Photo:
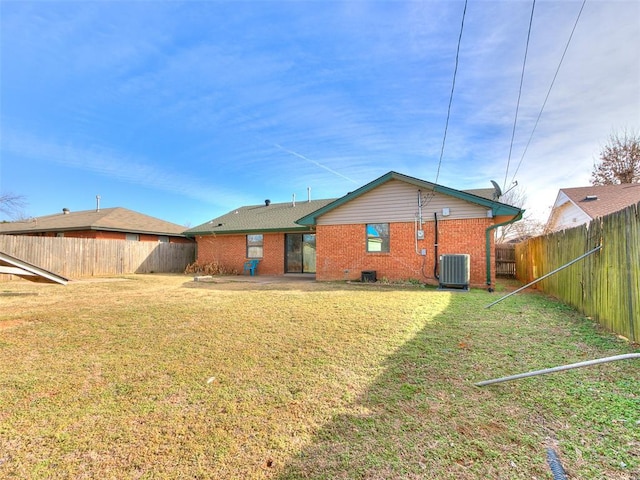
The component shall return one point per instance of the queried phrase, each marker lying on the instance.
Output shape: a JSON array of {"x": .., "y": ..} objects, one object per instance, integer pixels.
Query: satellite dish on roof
[{"x": 497, "y": 191}]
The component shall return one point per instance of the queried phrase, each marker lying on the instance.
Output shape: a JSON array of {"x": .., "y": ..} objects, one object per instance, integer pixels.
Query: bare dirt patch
[{"x": 4, "y": 324}]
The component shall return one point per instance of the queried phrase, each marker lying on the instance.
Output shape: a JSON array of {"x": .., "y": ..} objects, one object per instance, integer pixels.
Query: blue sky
[{"x": 186, "y": 110}]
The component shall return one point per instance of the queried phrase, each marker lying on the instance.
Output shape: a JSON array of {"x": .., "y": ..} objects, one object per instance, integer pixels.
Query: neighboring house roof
[
  {"x": 260, "y": 218},
  {"x": 115, "y": 219},
  {"x": 499, "y": 209},
  {"x": 14, "y": 266},
  {"x": 487, "y": 193},
  {"x": 575, "y": 206},
  {"x": 608, "y": 198}
]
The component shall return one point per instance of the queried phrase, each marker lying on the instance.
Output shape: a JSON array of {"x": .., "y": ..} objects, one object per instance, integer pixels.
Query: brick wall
[
  {"x": 180, "y": 240},
  {"x": 230, "y": 252},
  {"x": 341, "y": 251},
  {"x": 342, "y": 255},
  {"x": 143, "y": 237},
  {"x": 98, "y": 234},
  {"x": 81, "y": 234}
]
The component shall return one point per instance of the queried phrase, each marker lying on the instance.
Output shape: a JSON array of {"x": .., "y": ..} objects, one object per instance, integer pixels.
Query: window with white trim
[{"x": 255, "y": 246}]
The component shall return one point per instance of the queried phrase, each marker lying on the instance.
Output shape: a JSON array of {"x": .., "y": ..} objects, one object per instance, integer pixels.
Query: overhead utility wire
[
  {"x": 453, "y": 86},
  {"x": 515, "y": 120},
  {"x": 549, "y": 92}
]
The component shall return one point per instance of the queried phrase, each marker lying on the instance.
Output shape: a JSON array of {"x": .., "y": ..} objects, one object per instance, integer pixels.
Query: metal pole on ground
[
  {"x": 546, "y": 275},
  {"x": 558, "y": 369}
]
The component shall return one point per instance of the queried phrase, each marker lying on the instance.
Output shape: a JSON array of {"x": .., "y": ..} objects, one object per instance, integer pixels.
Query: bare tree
[
  {"x": 619, "y": 160},
  {"x": 522, "y": 229},
  {"x": 12, "y": 205}
]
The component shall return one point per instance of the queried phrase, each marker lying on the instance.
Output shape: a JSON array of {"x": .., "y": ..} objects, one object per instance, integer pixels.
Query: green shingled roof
[{"x": 276, "y": 217}]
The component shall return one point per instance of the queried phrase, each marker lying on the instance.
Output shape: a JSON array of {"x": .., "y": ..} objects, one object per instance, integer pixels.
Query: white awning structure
[{"x": 14, "y": 266}]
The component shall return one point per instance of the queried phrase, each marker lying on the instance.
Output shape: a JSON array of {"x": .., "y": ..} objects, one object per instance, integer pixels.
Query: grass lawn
[{"x": 160, "y": 377}]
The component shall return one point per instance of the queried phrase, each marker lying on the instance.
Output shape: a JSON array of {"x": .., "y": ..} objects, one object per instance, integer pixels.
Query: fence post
[{"x": 630, "y": 263}]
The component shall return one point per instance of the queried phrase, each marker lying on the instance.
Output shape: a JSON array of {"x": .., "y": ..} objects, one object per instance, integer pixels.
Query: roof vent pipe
[
  {"x": 309, "y": 194},
  {"x": 294, "y": 200},
  {"x": 267, "y": 202},
  {"x": 97, "y": 203}
]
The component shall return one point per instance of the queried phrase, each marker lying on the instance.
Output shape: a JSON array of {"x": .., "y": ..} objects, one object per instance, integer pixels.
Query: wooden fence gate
[{"x": 506, "y": 260}]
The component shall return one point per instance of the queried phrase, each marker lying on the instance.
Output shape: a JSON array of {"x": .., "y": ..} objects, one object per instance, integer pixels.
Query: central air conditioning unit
[{"x": 454, "y": 271}]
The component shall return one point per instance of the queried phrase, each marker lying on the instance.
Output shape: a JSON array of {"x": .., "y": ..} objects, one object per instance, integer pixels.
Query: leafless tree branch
[
  {"x": 12, "y": 205},
  {"x": 619, "y": 160}
]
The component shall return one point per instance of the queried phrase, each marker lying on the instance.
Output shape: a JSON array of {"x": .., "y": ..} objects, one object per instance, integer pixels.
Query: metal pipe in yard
[
  {"x": 558, "y": 369},
  {"x": 546, "y": 275}
]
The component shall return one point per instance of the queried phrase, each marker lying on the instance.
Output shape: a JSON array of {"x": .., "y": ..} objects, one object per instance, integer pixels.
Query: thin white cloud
[
  {"x": 115, "y": 165},
  {"x": 296, "y": 154},
  {"x": 363, "y": 86}
]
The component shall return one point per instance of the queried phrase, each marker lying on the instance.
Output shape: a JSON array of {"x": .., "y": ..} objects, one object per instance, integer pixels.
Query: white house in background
[{"x": 576, "y": 206}]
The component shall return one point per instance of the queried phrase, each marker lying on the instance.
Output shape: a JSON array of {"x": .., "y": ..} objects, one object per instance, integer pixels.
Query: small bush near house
[{"x": 212, "y": 268}]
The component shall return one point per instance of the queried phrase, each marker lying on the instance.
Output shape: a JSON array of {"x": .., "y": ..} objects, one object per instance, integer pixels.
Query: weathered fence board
[
  {"x": 506, "y": 260},
  {"x": 81, "y": 257},
  {"x": 605, "y": 285}
]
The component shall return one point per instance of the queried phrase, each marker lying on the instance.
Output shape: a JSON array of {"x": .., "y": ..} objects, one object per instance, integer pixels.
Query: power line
[
  {"x": 549, "y": 92},
  {"x": 453, "y": 86},
  {"x": 515, "y": 120}
]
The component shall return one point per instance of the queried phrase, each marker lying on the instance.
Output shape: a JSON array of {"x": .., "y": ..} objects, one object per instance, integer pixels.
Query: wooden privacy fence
[
  {"x": 605, "y": 285},
  {"x": 82, "y": 257},
  {"x": 506, "y": 260}
]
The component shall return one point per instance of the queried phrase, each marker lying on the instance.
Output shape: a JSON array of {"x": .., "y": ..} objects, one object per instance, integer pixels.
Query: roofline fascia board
[
  {"x": 502, "y": 208},
  {"x": 303, "y": 229},
  {"x": 100, "y": 229},
  {"x": 497, "y": 207},
  {"x": 54, "y": 229},
  {"x": 143, "y": 232}
]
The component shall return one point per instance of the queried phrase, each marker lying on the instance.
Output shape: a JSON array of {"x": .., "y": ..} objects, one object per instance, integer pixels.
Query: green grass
[{"x": 160, "y": 377}]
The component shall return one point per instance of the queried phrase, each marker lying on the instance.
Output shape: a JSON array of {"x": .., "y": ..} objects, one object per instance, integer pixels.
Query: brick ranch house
[
  {"x": 102, "y": 223},
  {"x": 396, "y": 225}
]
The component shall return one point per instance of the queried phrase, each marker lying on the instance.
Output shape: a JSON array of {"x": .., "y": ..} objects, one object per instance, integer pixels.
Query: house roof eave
[
  {"x": 92, "y": 228},
  {"x": 300, "y": 229},
  {"x": 115, "y": 219},
  {"x": 498, "y": 209}
]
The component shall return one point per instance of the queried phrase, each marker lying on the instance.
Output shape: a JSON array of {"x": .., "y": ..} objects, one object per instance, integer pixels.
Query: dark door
[{"x": 300, "y": 255}]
